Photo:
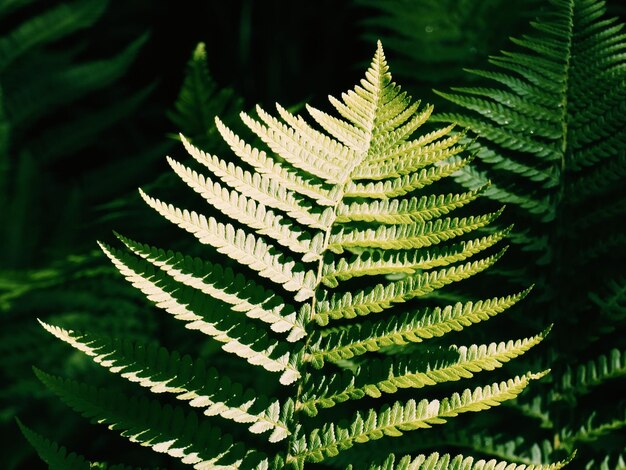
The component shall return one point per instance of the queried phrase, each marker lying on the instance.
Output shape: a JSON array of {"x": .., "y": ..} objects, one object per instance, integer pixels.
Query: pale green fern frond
[
  {"x": 346, "y": 342},
  {"x": 384, "y": 296},
  {"x": 322, "y": 225},
  {"x": 403, "y": 211},
  {"x": 262, "y": 188}
]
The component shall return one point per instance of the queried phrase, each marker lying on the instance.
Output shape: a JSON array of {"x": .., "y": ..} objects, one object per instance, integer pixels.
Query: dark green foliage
[
  {"x": 435, "y": 39},
  {"x": 200, "y": 100},
  {"x": 553, "y": 143},
  {"x": 52, "y": 109},
  {"x": 40, "y": 83}
]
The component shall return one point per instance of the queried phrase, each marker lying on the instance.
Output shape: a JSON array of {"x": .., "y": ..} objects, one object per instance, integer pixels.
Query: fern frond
[
  {"x": 327, "y": 148},
  {"x": 261, "y": 188},
  {"x": 406, "y": 262},
  {"x": 516, "y": 451},
  {"x": 407, "y": 162},
  {"x": 583, "y": 377},
  {"x": 199, "y": 100},
  {"x": 593, "y": 429},
  {"x": 240, "y": 208},
  {"x": 533, "y": 202},
  {"x": 264, "y": 164},
  {"x": 409, "y": 236},
  {"x": 551, "y": 127},
  {"x": 613, "y": 301},
  {"x": 314, "y": 195},
  {"x": 608, "y": 463},
  {"x": 164, "y": 428},
  {"x": 404, "y": 184},
  {"x": 295, "y": 150}
]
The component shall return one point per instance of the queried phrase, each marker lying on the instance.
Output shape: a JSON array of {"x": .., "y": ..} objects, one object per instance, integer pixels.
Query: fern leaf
[
  {"x": 595, "y": 372},
  {"x": 289, "y": 145},
  {"x": 240, "y": 208},
  {"x": 411, "y": 327},
  {"x": 614, "y": 299},
  {"x": 534, "y": 203},
  {"x": 404, "y": 184},
  {"x": 550, "y": 121},
  {"x": 408, "y": 236},
  {"x": 608, "y": 463},
  {"x": 593, "y": 429},
  {"x": 407, "y": 262},
  {"x": 318, "y": 146},
  {"x": 327, "y": 148},
  {"x": 200, "y": 100},
  {"x": 290, "y": 179},
  {"x": 514, "y": 451},
  {"x": 407, "y": 162},
  {"x": 315, "y": 194},
  {"x": 403, "y": 211}
]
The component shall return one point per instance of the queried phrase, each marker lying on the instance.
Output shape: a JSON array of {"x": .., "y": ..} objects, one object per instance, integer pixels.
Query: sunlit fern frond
[{"x": 331, "y": 223}]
